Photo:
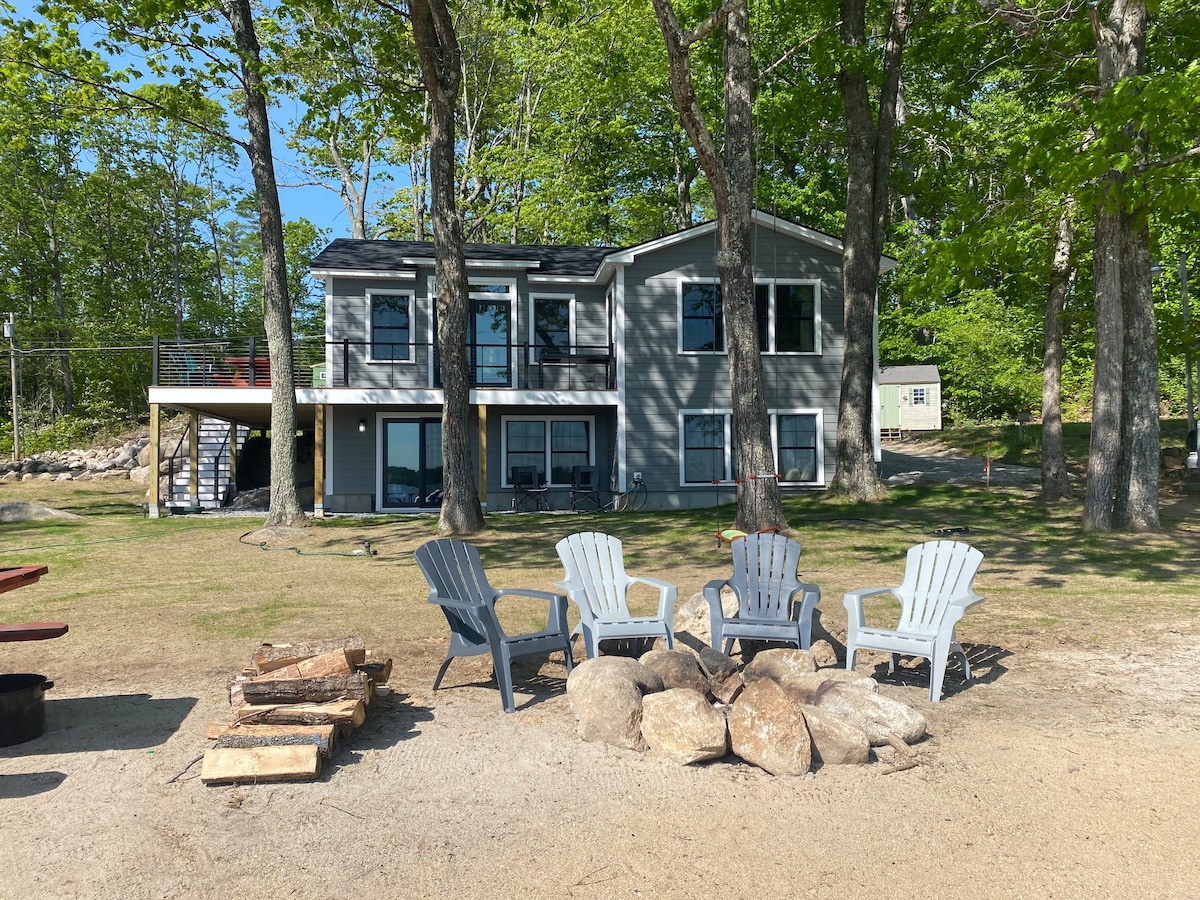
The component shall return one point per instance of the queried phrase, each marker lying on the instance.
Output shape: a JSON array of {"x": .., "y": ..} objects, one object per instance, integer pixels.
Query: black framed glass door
[{"x": 412, "y": 463}]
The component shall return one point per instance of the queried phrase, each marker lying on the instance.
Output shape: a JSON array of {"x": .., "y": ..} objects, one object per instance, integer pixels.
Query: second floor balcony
[{"x": 245, "y": 363}]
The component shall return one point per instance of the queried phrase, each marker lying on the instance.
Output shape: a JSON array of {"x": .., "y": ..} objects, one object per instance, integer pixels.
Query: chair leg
[
  {"x": 503, "y": 670},
  {"x": 851, "y": 653},
  {"x": 728, "y": 651},
  {"x": 956, "y": 647},
  {"x": 567, "y": 660},
  {"x": 937, "y": 674},
  {"x": 442, "y": 671}
]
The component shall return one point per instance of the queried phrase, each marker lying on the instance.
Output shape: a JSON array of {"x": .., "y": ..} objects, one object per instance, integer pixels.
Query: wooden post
[
  {"x": 483, "y": 491},
  {"x": 233, "y": 453},
  {"x": 319, "y": 460},
  {"x": 153, "y": 499},
  {"x": 194, "y": 459}
]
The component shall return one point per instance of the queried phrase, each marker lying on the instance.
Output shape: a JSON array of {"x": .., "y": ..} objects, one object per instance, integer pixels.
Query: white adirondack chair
[
  {"x": 935, "y": 594},
  {"x": 597, "y": 583}
]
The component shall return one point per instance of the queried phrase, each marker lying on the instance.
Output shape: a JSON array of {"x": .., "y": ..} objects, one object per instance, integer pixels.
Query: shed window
[{"x": 918, "y": 397}]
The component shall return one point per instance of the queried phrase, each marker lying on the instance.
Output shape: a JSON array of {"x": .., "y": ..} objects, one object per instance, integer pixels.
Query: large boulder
[
  {"x": 681, "y": 725},
  {"x": 677, "y": 669},
  {"x": 724, "y": 676},
  {"x": 768, "y": 730},
  {"x": 778, "y": 664},
  {"x": 836, "y": 741},
  {"x": 693, "y": 619},
  {"x": 804, "y": 687},
  {"x": 605, "y": 694},
  {"x": 877, "y": 715}
]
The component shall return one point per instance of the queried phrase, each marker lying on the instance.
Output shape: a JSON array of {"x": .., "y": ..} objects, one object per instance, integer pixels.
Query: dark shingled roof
[{"x": 348, "y": 253}]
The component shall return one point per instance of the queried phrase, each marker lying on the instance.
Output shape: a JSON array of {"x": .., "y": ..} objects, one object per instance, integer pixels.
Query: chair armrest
[
  {"x": 524, "y": 592},
  {"x": 712, "y": 593},
  {"x": 957, "y": 608},
  {"x": 577, "y": 594},
  {"x": 853, "y": 601},
  {"x": 453, "y": 604},
  {"x": 810, "y": 596},
  {"x": 667, "y": 593},
  {"x": 556, "y": 620}
]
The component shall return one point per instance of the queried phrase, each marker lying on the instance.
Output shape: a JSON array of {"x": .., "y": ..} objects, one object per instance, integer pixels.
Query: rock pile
[
  {"x": 128, "y": 459},
  {"x": 780, "y": 713}
]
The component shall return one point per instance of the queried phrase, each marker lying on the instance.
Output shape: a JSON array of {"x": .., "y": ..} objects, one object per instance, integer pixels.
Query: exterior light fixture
[{"x": 362, "y": 426}]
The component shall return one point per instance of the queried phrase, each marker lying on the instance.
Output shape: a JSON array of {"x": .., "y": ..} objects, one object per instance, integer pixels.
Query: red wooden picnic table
[{"x": 12, "y": 577}]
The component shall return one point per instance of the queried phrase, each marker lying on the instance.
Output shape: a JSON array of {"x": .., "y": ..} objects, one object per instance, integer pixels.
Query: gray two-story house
[{"x": 608, "y": 362}]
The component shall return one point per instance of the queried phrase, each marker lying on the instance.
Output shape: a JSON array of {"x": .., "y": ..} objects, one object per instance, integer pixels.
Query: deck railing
[{"x": 360, "y": 364}]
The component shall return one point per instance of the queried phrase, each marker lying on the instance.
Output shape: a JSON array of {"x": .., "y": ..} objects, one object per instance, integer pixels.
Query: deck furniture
[
  {"x": 585, "y": 488},
  {"x": 528, "y": 489},
  {"x": 458, "y": 585},
  {"x": 773, "y": 603},
  {"x": 11, "y": 578},
  {"x": 934, "y": 595},
  {"x": 597, "y": 583}
]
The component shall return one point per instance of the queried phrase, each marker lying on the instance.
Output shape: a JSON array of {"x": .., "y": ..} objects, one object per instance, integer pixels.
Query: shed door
[{"x": 889, "y": 406}]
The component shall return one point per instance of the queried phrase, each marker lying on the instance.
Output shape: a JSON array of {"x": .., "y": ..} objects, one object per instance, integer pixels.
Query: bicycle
[{"x": 632, "y": 499}]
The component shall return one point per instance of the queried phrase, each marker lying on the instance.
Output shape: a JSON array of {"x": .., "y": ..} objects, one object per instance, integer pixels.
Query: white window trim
[
  {"x": 679, "y": 283},
  {"x": 533, "y": 299},
  {"x": 506, "y": 481},
  {"x": 727, "y": 418},
  {"x": 819, "y": 414},
  {"x": 407, "y": 293},
  {"x": 770, "y": 283}
]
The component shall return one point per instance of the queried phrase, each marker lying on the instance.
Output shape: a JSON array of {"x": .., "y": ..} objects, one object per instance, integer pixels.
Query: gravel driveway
[{"x": 912, "y": 462}]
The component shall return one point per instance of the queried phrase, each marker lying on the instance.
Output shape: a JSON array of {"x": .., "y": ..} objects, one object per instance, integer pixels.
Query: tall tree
[
  {"x": 730, "y": 175},
  {"x": 870, "y": 136}
]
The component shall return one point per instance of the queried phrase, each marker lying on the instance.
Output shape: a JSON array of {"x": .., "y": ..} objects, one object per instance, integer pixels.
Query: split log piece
[
  {"x": 335, "y": 662},
  {"x": 343, "y": 713},
  {"x": 236, "y": 741},
  {"x": 308, "y": 690},
  {"x": 379, "y": 672},
  {"x": 255, "y": 764},
  {"x": 322, "y": 735},
  {"x": 276, "y": 656}
]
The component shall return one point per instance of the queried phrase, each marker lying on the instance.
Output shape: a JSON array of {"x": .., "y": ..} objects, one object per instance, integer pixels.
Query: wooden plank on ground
[
  {"x": 344, "y": 713},
  {"x": 236, "y": 740},
  {"x": 308, "y": 690},
  {"x": 256, "y": 764},
  {"x": 276, "y": 656},
  {"x": 335, "y": 662}
]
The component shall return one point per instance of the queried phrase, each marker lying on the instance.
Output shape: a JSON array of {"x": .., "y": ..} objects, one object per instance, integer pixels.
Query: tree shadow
[{"x": 111, "y": 722}]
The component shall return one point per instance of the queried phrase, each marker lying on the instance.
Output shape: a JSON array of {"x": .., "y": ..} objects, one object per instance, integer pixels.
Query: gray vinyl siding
[{"x": 660, "y": 381}]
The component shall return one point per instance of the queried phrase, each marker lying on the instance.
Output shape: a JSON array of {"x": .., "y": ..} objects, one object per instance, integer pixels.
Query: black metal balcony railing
[{"x": 360, "y": 364}]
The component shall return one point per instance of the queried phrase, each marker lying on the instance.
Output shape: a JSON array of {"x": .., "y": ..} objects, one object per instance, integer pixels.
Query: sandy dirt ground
[{"x": 1065, "y": 770}]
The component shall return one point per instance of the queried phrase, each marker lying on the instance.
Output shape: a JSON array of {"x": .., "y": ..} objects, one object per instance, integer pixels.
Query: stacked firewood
[{"x": 289, "y": 707}]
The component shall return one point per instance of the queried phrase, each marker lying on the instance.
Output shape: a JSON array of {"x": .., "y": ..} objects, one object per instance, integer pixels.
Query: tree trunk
[
  {"x": 1105, "y": 448},
  {"x": 277, "y": 308},
  {"x": 731, "y": 178},
  {"x": 437, "y": 47},
  {"x": 869, "y": 161},
  {"x": 1056, "y": 480},
  {"x": 1138, "y": 509}
]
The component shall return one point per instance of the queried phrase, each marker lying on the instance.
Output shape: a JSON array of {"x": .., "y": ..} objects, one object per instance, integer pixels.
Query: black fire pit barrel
[{"x": 22, "y": 708}]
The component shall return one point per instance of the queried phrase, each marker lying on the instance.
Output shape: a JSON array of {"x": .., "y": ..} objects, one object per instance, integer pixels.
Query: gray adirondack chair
[
  {"x": 459, "y": 586},
  {"x": 597, "y": 583},
  {"x": 935, "y": 594},
  {"x": 773, "y": 603}
]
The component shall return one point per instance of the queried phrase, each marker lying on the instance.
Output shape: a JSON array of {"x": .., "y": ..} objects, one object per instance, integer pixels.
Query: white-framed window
[
  {"x": 389, "y": 324},
  {"x": 551, "y": 325},
  {"x": 706, "y": 446},
  {"x": 799, "y": 450},
  {"x": 919, "y": 397},
  {"x": 789, "y": 316},
  {"x": 701, "y": 321},
  {"x": 553, "y": 445}
]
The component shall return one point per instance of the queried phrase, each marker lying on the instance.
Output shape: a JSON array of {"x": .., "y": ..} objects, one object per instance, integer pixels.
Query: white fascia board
[
  {"x": 370, "y": 396},
  {"x": 562, "y": 279},
  {"x": 188, "y": 396},
  {"x": 533, "y": 399},
  {"x": 402, "y": 274}
]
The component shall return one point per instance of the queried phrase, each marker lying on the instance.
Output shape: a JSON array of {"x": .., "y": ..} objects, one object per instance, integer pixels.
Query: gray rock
[
  {"x": 725, "y": 679},
  {"x": 805, "y": 687},
  {"x": 677, "y": 669},
  {"x": 681, "y": 725},
  {"x": 875, "y": 714},
  {"x": 778, "y": 664},
  {"x": 605, "y": 695},
  {"x": 836, "y": 741},
  {"x": 768, "y": 730}
]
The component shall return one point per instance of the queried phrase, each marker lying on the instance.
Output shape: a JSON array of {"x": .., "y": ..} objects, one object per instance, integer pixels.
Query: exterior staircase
[{"x": 212, "y": 469}]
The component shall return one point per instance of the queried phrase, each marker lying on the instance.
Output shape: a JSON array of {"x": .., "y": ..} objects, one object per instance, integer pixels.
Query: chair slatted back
[
  {"x": 596, "y": 561},
  {"x": 764, "y": 574},
  {"x": 937, "y": 572},
  {"x": 454, "y": 571}
]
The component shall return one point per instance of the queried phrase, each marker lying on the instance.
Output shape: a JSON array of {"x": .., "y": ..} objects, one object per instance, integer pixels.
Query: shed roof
[{"x": 910, "y": 375}]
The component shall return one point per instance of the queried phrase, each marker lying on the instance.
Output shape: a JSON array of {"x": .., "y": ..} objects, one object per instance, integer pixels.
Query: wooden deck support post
[
  {"x": 483, "y": 491},
  {"x": 153, "y": 500},
  {"x": 194, "y": 459},
  {"x": 233, "y": 454},
  {"x": 319, "y": 460}
]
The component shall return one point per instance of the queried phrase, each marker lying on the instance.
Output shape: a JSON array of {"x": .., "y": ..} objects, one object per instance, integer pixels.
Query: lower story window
[
  {"x": 552, "y": 446},
  {"x": 706, "y": 447}
]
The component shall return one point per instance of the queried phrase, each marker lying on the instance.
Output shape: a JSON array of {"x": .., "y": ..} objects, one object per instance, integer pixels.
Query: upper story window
[
  {"x": 702, "y": 325},
  {"x": 787, "y": 317},
  {"x": 552, "y": 325},
  {"x": 391, "y": 326}
]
